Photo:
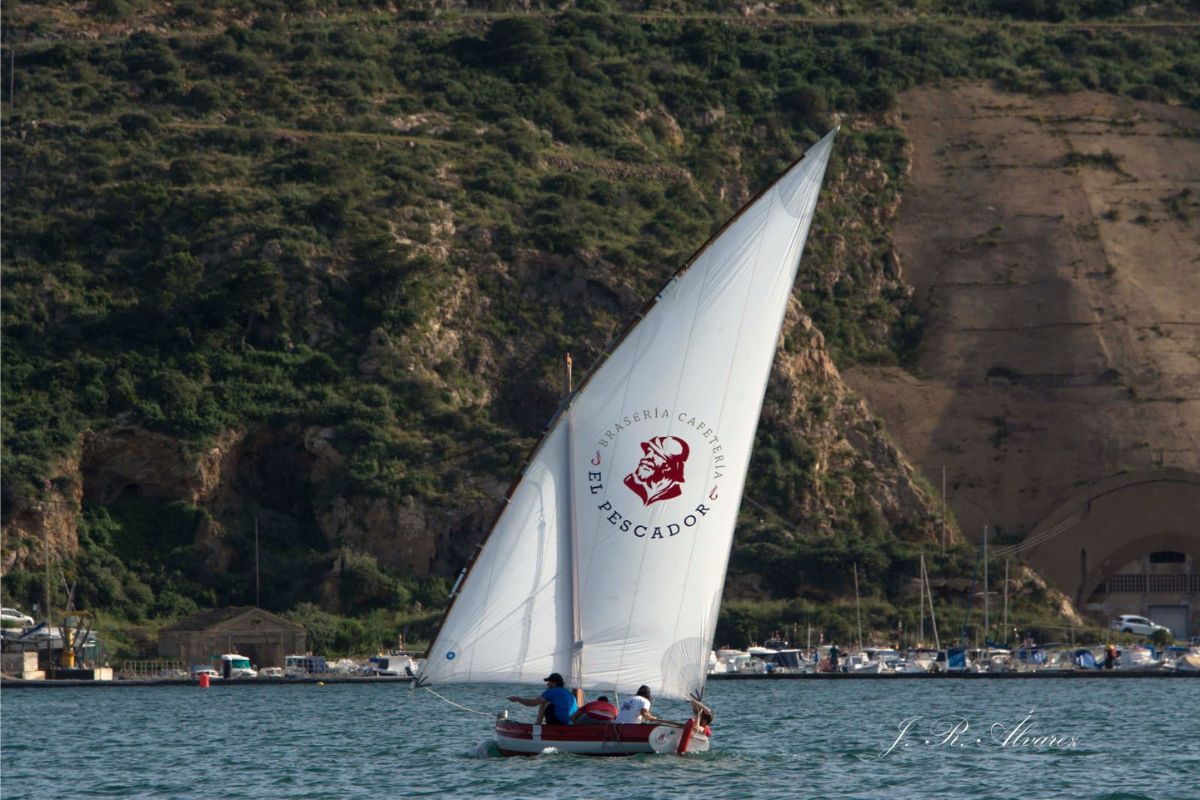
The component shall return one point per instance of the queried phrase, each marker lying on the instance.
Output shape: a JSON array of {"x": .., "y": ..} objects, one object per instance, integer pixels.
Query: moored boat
[
  {"x": 233, "y": 666},
  {"x": 1140, "y": 658}
]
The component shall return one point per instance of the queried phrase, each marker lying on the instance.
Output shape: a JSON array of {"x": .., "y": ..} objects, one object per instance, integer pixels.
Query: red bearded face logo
[{"x": 660, "y": 471}]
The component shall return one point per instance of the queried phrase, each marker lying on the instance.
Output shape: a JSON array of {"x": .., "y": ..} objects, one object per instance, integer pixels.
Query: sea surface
[{"x": 1081, "y": 738}]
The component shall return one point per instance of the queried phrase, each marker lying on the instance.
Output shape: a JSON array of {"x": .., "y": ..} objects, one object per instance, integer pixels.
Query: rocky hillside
[{"x": 308, "y": 277}]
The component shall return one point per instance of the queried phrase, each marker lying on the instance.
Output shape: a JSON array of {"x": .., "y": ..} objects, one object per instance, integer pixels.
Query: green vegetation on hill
[{"x": 392, "y": 226}]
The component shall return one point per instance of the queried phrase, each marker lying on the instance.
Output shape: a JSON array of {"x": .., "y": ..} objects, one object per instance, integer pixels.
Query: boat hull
[{"x": 608, "y": 739}]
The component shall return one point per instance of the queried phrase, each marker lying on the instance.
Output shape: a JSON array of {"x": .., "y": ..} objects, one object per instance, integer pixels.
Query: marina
[
  {"x": 755, "y": 664},
  {"x": 734, "y": 677}
]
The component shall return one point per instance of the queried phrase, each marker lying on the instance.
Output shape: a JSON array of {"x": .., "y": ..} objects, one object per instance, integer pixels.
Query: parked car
[
  {"x": 1131, "y": 623},
  {"x": 11, "y": 617}
]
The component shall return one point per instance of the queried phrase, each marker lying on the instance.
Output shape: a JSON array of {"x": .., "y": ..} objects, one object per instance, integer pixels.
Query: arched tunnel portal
[{"x": 1129, "y": 544}]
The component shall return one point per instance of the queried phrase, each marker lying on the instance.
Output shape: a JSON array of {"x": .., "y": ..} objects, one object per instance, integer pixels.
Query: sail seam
[
  {"x": 721, "y": 280},
  {"x": 676, "y": 297},
  {"x": 800, "y": 198},
  {"x": 753, "y": 279},
  {"x": 627, "y": 382}
]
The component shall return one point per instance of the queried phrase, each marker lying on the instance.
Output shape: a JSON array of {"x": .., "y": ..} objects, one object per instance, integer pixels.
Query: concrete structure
[
  {"x": 1127, "y": 545},
  {"x": 261, "y": 636},
  {"x": 22, "y": 664}
]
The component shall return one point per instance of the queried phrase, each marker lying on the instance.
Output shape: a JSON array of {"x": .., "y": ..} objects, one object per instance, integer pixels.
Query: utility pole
[
  {"x": 985, "y": 588},
  {"x": 921, "y": 601},
  {"x": 1006, "y": 600},
  {"x": 256, "y": 584},
  {"x": 46, "y": 539},
  {"x": 943, "y": 509},
  {"x": 857, "y": 607}
]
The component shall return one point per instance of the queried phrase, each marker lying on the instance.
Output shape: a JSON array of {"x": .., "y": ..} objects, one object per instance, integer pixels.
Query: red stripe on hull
[
  {"x": 606, "y": 732},
  {"x": 514, "y": 730},
  {"x": 596, "y": 740}
]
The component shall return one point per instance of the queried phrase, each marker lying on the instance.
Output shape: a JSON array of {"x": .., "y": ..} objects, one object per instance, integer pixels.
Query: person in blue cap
[{"x": 556, "y": 705}]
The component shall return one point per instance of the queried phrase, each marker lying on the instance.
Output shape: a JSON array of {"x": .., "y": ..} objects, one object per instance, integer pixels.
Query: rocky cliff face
[
  {"x": 239, "y": 464},
  {"x": 808, "y": 396},
  {"x": 35, "y": 523},
  {"x": 110, "y": 463},
  {"x": 122, "y": 460},
  {"x": 263, "y": 467},
  {"x": 300, "y": 471}
]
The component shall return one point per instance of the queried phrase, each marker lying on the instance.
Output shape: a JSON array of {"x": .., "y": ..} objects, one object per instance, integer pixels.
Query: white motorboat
[
  {"x": 394, "y": 665},
  {"x": 729, "y": 661},
  {"x": 1138, "y": 658},
  {"x": 232, "y": 666}
]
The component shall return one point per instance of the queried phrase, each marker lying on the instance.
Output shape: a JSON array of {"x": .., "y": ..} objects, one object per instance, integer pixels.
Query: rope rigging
[{"x": 458, "y": 705}]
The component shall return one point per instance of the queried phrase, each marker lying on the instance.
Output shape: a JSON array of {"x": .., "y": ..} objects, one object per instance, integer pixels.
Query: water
[{"x": 793, "y": 739}]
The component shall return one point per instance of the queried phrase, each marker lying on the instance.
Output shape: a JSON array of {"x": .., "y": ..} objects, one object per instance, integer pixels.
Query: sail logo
[
  {"x": 655, "y": 485},
  {"x": 660, "y": 470}
]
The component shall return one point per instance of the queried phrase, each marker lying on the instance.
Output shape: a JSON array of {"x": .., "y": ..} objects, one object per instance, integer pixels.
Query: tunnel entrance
[{"x": 1126, "y": 545}]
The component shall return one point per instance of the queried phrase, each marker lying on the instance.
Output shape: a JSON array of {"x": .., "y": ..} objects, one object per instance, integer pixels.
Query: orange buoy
[{"x": 203, "y": 680}]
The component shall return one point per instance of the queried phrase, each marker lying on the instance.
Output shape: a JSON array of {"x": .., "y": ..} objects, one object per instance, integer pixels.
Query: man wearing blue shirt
[{"x": 556, "y": 705}]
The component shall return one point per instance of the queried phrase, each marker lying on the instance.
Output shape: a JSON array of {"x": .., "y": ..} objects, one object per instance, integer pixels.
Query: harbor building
[{"x": 265, "y": 638}]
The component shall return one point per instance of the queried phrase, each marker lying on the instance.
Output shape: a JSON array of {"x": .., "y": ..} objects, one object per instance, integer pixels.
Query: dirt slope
[{"x": 1054, "y": 246}]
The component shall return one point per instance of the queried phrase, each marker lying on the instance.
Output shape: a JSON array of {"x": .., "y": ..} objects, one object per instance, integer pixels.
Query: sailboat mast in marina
[{"x": 607, "y": 561}]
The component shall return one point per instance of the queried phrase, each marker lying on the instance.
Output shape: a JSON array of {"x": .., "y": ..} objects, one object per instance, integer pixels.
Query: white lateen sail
[{"x": 607, "y": 563}]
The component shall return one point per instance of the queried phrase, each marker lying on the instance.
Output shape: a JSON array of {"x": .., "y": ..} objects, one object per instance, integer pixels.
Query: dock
[
  {"x": 17, "y": 683},
  {"x": 1104, "y": 674}
]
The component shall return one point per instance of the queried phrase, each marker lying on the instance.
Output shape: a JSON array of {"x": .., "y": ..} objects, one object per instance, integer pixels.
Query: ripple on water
[{"x": 773, "y": 739}]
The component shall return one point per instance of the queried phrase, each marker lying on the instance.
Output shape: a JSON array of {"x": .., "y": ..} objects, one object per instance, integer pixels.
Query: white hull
[{"x": 515, "y": 739}]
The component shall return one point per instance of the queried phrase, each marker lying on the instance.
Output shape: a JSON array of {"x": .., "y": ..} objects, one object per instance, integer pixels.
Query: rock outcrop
[
  {"x": 125, "y": 459},
  {"x": 37, "y": 521},
  {"x": 396, "y": 532}
]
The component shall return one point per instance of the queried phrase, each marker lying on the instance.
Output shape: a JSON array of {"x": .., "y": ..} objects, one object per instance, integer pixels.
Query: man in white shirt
[{"x": 636, "y": 709}]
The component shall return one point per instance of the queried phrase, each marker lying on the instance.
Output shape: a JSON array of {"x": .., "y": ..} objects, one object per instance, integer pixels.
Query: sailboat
[{"x": 608, "y": 558}]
